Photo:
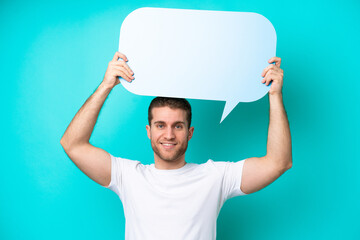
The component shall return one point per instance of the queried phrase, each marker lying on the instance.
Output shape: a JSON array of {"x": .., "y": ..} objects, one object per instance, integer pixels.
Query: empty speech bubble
[{"x": 198, "y": 54}]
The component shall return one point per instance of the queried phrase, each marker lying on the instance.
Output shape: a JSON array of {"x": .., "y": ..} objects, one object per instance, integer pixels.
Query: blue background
[{"x": 55, "y": 53}]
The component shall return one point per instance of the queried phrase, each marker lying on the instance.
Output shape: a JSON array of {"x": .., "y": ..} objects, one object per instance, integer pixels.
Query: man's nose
[{"x": 169, "y": 133}]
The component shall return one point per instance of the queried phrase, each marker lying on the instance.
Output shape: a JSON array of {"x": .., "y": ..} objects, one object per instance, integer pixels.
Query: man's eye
[
  {"x": 178, "y": 126},
  {"x": 160, "y": 126}
]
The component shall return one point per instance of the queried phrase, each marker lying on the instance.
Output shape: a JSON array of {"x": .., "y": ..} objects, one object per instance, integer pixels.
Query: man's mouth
[{"x": 168, "y": 145}]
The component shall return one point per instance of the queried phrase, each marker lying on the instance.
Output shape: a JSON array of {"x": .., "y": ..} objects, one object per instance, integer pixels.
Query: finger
[
  {"x": 129, "y": 75},
  {"x": 121, "y": 63},
  {"x": 273, "y": 76},
  {"x": 271, "y": 66},
  {"x": 265, "y": 80},
  {"x": 277, "y": 61},
  {"x": 123, "y": 56},
  {"x": 116, "y": 56},
  {"x": 268, "y": 79},
  {"x": 119, "y": 55},
  {"x": 123, "y": 75}
]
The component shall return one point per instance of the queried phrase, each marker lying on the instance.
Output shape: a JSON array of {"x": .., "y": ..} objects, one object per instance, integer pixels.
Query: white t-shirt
[{"x": 182, "y": 203}]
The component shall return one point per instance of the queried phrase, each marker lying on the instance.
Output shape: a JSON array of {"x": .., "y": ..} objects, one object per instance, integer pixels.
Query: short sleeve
[
  {"x": 232, "y": 179},
  {"x": 231, "y": 174},
  {"x": 116, "y": 174},
  {"x": 121, "y": 171}
]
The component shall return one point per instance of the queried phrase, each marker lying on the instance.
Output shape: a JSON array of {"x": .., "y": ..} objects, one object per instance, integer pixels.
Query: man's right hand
[{"x": 117, "y": 68}]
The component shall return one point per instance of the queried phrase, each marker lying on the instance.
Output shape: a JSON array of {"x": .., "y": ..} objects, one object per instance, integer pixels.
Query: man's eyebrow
[{"x": 173, "y": 123}]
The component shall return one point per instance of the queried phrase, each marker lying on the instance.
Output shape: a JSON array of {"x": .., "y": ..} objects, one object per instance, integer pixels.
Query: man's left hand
[{"x": 273, "y": 73}]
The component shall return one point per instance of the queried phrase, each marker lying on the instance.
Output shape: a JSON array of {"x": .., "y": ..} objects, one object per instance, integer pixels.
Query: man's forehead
[{"x": 167, "y": 113}]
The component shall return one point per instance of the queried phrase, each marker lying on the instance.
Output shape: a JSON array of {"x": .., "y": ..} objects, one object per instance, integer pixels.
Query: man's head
[
  {"x": 173, "y": 103},
  {"x": 169, "y": 128}
]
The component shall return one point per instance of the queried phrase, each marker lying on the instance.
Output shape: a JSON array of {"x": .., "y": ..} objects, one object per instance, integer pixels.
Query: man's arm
[
  {"x": 93, "y": 161},
  {"x": 260, "y": 172}
]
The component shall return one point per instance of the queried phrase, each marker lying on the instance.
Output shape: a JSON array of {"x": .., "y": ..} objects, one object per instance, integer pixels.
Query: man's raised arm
[
  {"x": 260, "y": 172},
  {"x": 93, "y": 161}
]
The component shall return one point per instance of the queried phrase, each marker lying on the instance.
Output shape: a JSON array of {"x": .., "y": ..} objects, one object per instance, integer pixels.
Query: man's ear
[
  {"x": 191, "y": 132},
  {"x": 148, "y": 131}
]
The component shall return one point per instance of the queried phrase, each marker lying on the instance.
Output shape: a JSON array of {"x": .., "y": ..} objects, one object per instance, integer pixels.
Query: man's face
[{"x": 169, "y": 133}]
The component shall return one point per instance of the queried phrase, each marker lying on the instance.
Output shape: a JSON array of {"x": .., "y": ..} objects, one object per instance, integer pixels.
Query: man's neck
[{"x": 168, "y": 165}]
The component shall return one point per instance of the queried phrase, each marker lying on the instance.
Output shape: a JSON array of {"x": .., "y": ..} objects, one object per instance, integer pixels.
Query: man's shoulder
[
  {"x": 220, "y": 165},
  {"x": 125, "y": 161}
]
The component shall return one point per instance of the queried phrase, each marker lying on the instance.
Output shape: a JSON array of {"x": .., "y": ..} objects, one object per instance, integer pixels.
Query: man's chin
[
  {"x": 168, "y": 158},
  {"x": 169, "y": 155}
]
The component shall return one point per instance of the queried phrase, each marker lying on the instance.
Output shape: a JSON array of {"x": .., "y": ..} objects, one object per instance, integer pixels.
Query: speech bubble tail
[{"x": 229, "y": 106}]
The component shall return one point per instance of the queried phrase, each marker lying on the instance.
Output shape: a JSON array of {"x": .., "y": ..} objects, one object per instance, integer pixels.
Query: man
[{"x": 172, "y": 199}]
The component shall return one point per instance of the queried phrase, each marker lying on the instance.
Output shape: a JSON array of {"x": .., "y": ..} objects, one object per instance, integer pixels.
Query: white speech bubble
[{"x": 211, "y": 55}]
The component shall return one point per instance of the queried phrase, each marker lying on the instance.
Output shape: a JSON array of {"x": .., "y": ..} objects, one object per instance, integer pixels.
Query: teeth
[{"x": 167, "y": 144}]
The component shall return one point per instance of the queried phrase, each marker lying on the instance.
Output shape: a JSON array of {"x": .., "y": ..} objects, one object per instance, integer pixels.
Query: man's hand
[
  {"x": 275, "y": 74},
  {"x": 117, "y": 67}
]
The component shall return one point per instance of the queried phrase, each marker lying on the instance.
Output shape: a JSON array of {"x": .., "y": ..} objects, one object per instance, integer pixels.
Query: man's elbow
[
  {"x": 71, "y": 145},
  {"x": 289, "y": 164},
  {"x": 65, "y": 144},
  {"x": 285, "y": 165},
  {"x": 282, "y": 164}
]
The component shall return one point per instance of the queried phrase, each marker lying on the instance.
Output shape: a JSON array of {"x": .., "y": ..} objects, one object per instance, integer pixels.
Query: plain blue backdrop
[{"x": 55, "y": 53}]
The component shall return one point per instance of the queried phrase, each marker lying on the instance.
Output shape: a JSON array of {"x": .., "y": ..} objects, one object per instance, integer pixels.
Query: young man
[{"x": 172, "y": 199}]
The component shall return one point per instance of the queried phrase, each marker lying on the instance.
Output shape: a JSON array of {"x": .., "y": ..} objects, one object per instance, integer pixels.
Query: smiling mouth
[{"x": 168, "y": 145}]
